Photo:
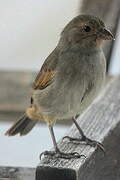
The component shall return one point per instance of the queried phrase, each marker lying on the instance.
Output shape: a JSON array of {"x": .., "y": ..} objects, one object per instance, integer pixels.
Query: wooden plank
[
  {"x": 17, "y": 173},
  {"x": 15, "y": 89},
  {"x": 102, "y": 123},
  {"x": 109, "y": 12},
  {"x": 13, "y": 116},
  {"x": 15, "y": 92}
]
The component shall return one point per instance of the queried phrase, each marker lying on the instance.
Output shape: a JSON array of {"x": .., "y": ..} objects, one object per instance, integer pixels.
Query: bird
[{"x": 69, "y": 80}]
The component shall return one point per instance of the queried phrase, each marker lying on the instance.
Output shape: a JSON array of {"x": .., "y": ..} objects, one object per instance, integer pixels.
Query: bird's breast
[{"x": 81, "y": 78}]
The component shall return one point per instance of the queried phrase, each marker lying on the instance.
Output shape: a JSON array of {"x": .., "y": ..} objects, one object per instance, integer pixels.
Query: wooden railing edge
[
  {"x": 14, "y": 173},
  {"x": 102, "y": 123}
]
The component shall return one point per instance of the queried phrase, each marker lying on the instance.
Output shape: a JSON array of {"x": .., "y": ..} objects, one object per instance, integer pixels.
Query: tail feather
[{"x": 22, "y": 126}]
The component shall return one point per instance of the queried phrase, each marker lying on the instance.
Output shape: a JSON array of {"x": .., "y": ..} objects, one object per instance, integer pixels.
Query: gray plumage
[
  {"x": 77, "y": 82},
  {"x": 72, "y": 75}
]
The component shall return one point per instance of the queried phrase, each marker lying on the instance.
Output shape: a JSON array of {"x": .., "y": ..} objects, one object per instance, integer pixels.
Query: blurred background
[{"x": 29, "y": 31}]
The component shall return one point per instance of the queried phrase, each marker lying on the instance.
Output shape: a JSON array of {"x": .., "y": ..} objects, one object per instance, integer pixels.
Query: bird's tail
[{"x": 22, "y": 126}]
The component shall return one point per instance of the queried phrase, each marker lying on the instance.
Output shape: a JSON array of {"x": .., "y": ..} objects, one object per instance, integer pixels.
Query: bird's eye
[{"x": 87, "y": 28}]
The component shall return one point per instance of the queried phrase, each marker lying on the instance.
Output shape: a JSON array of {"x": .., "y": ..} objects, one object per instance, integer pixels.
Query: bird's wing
[{"x": 47, "y": 72}]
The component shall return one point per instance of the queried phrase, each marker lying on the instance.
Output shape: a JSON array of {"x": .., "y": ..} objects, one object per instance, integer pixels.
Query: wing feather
[{"x": 46, "y": 74}]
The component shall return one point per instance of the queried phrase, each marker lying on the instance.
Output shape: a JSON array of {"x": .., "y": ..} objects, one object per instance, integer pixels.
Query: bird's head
[{"x": 85, "y": 31}]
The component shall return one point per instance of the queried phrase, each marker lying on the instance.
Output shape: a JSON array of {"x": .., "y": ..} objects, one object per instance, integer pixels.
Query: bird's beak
[{"x": 105, "y": 34}]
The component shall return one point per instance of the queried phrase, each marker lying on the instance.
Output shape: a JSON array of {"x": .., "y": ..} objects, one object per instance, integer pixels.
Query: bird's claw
[
  {"x": 71, "y": 138},
  {"x": 88, "y": 141},
  {"x": 95, "y": 144},
  {"x": 59, "y": 154}
]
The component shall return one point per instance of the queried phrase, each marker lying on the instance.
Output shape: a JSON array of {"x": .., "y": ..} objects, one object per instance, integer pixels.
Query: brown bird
[{"x": 69, "y": 80}]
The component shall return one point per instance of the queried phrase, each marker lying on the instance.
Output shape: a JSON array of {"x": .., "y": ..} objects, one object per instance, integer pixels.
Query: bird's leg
[
  {"x": 57, "y": 153},
  {"x": 84, "y": 138}
]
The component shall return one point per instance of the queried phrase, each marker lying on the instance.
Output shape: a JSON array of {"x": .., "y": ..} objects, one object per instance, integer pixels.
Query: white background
[{"x": 30, "y": 29}]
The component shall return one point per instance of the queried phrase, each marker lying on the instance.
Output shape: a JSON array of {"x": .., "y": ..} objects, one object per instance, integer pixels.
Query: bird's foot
[
  {"x": 59, "y": 154},
  {"x": 88, "y": 141}
]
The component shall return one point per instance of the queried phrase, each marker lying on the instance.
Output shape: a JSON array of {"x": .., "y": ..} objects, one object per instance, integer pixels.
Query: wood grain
[{"x": 102, "y": 123}]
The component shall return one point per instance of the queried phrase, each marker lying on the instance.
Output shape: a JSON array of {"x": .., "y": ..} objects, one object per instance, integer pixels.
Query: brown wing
[
  {"x": 47, "y": 72},
  {"x": 43, "y": 79}
]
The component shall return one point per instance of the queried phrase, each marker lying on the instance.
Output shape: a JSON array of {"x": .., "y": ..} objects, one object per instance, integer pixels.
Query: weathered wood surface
[
  {"x": 109, "y": 12},
  {"x": 102, "y": 123},
  {"x": 16, "y": 173}
]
